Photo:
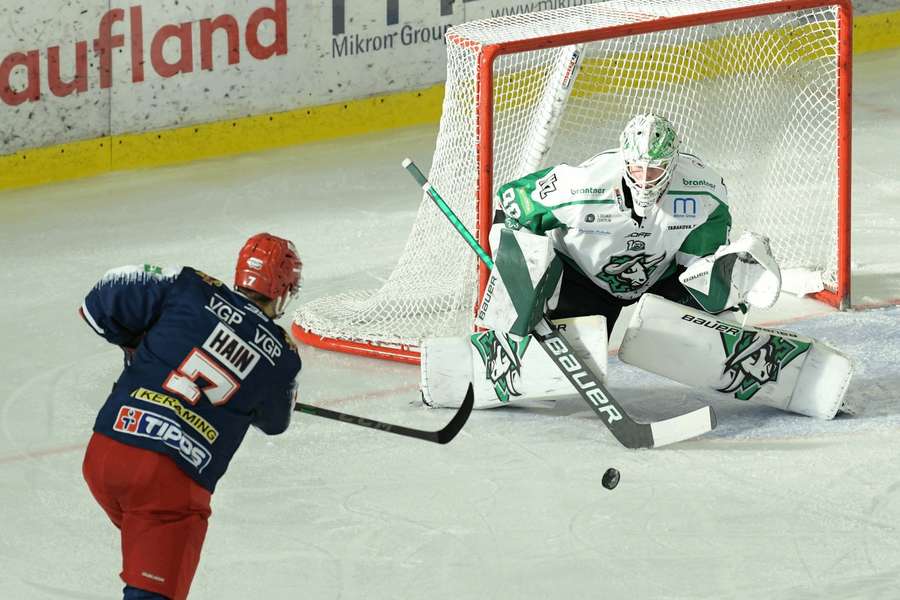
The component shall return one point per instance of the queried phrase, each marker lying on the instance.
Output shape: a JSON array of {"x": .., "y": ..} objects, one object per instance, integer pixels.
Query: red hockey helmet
[{"x": 269, "y": 265}]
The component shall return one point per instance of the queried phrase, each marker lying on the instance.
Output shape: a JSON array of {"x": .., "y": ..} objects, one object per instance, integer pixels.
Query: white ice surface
[{"x": 769, "y": 505}]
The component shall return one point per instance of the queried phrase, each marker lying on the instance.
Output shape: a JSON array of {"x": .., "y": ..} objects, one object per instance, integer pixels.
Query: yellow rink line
[{"x": 86, "y": 158}]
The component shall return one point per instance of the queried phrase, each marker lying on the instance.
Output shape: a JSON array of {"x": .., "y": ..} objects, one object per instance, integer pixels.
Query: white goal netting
[{"x": 756, "y": 97}]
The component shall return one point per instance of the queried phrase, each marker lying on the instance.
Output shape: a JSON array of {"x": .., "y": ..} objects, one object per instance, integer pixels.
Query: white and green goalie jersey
[{"x": 583, "y": 210}]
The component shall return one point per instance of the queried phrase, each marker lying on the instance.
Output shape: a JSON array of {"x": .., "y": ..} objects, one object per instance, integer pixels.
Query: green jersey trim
[
  {"x": 719, "y": 286},
  {"x": 706, "y": 239},
  {"x": 581, "y": 202},
  {"x": 518, "y": 205}
]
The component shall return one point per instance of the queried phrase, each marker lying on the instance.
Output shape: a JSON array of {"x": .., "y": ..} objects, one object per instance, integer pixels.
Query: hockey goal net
[{"x": 759, "y": 89}]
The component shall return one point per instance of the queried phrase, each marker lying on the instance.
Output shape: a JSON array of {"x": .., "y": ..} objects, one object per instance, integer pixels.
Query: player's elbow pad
[
  {"x": 274, "y": 417},
  {"x": 271, "y": 426}
]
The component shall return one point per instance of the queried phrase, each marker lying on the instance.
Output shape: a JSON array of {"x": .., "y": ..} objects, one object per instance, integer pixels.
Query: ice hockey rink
[{"x": 768, "y": 505}]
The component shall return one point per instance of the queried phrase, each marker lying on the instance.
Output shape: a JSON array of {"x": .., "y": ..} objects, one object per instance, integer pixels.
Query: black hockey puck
[{"x": 611, "y": 478}]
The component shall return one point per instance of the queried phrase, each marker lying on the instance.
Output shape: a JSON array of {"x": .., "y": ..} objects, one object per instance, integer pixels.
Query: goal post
[{"x": 759, "y": 89}]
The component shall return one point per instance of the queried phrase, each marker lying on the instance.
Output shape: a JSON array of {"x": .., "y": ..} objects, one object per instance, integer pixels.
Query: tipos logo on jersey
[
  {"x": 143, "y": 423},
  {"x": 629, "y": 272},
  {"x": 502, "y": 358},
  {"x": 127, "y": 419},
  {"x": 755, "y": 358}
]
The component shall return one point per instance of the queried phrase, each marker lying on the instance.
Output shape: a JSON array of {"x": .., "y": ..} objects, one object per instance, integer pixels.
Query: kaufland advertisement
[{"x": 78, "y": 70}]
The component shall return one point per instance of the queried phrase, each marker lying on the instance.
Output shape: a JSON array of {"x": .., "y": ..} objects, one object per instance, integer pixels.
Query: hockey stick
[
  {"x": 631, "y": 433},
  {"x": 441, "y": 436}
]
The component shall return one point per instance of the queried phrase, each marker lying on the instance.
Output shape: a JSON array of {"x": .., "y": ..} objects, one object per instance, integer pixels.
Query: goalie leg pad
[
  {"x": 505, "y": 368},
  {"x": 768, "y": 366}
]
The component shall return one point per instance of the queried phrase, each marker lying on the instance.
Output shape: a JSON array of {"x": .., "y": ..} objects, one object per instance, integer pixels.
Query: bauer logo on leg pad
[{"x": 502, "y": 357}]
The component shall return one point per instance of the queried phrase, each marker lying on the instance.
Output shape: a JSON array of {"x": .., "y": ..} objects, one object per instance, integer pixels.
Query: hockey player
[
  {"x": 203, "y": 363},
  {"x": 643, "y": 219},
  {"x": 627, "y": 222}
]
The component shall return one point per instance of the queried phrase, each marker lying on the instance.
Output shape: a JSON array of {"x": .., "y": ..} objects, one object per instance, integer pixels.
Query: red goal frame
[{"x": 839, "y": 298}]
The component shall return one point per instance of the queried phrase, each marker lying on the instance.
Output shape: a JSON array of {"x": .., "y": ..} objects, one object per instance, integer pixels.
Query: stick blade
[
  {"x": 683, "y": 427},
  {"x": 459, "y": 419}
]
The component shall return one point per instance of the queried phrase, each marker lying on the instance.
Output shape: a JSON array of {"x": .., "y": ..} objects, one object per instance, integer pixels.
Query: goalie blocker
[{"x": 768, "y": 366}]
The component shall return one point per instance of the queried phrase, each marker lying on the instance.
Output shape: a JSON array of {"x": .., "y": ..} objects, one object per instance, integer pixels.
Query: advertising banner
[{"x": 80, "y": 70}]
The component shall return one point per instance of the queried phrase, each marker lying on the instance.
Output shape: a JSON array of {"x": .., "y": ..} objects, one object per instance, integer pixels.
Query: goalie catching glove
[{"x": 741, "y": 272}]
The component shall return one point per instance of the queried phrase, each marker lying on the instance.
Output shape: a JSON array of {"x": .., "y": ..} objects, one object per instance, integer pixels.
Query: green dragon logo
[
  {"x": 754, "y": 359},
  {"x": 502, "y": 357},
  {"x": 629, "y": 272}
]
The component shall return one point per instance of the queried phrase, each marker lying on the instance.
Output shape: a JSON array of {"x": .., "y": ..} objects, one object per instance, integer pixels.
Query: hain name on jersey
[{"x": 228, "y": 347}]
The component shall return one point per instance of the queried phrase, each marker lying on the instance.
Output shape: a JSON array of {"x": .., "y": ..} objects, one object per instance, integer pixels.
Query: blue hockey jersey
[{"x": 207, "y": 364}]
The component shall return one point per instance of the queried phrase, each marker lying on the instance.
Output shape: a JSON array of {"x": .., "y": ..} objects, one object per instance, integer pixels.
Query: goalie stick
[
  {"x": 441, "y": 436},
  {"x": 629, "y": 432}
]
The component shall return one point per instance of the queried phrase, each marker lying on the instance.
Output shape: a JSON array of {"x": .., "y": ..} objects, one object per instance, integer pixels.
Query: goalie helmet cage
[{"x": 759, "y": 89}]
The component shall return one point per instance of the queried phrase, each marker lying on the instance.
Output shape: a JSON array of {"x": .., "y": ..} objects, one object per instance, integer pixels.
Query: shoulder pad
[
  {"x": 291, "y": 343},
  {"x": 696, "y": 160},
  {"x": 208, "y": 279},
  {"x": 599, "y": 156}
]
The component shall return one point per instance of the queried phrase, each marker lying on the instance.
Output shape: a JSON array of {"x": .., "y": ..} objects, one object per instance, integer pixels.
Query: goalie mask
[
  {"x": 649, "y": 148},
  {"x": 269, "y": 266}
]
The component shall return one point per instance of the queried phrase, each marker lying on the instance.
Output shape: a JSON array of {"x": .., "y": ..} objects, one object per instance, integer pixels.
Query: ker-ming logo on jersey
[
  {"x": 502, "y": 358},
  {"x": 189, "y": 417},
  {"x": 629, "y": 272},
  {"x": 755, "y": 358},
  {"x": 147, "y": 424}
]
